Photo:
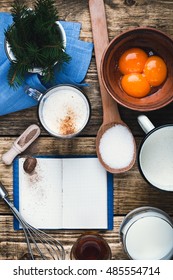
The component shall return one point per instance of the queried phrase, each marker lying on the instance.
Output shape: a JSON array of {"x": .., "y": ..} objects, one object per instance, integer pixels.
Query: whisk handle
[
  {"x": 4, "y": 196},
  {"x": 3, "y": 191}
]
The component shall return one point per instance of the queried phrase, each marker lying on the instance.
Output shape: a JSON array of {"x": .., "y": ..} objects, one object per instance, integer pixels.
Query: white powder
[
  {"x": 117, "y": 147},
  {"x": 65, "y": 111}
]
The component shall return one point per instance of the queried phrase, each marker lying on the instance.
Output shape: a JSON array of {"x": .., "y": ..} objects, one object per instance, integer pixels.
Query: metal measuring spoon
[{"x": 111, "y": 114}]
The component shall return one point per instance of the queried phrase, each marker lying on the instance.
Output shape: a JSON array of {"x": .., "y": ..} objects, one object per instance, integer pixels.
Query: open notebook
[{"x": 64, "y": 193}]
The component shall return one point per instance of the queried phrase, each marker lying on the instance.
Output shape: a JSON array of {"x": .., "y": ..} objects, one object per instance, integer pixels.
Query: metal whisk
[{"x": 40, "y": 244}]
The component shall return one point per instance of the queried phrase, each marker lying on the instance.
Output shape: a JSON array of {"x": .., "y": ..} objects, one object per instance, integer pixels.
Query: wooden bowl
[{"x": 150, "y": 40}]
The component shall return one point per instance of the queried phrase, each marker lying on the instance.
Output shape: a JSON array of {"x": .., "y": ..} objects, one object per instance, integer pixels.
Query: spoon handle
[{"x": 101, "y": 40}]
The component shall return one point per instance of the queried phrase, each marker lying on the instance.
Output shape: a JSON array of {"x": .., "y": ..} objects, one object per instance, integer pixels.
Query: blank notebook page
[
  {"x": 84, "y": 193},
  {"x": 40, "y": 194}
]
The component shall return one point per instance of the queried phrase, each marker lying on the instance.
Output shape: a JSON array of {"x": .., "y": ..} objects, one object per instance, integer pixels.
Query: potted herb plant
[{"x": 35, "y": 42}]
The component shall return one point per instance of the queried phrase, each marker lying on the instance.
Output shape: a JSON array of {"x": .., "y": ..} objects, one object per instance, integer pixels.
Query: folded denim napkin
[{"x": 73, "y": 73}]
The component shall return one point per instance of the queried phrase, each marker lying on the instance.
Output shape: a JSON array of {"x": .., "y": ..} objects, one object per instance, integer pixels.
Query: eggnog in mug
[
  {"x": 147, "y": 234},
  {"x": 65, "y": 111}
]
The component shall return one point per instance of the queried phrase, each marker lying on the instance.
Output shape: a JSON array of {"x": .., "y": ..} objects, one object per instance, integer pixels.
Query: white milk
[
  {"x": 156, "y": 158},
  {"x": 150, "y": 238},
  {"x": 65, "y": 111}
]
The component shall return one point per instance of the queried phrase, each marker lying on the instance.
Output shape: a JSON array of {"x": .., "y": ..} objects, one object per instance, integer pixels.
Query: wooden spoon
[{"x": 111, "y": 114}]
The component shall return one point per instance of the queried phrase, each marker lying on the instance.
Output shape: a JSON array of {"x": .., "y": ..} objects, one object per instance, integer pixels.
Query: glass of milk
[
  {"x": 155, "y": 156},
  {"x": 147, "y": 234},
  {"x": 63, "y": 110}
]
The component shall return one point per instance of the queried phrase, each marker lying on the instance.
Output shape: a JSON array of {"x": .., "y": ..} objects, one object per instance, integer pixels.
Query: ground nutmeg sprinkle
[{"x": 68, "y": 124}]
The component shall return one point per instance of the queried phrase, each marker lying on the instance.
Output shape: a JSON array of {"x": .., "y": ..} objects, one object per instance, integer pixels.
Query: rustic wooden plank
[
  {"x": 16, "y": 123},
  {"x": 120, "y": 14},
  {"x": 13, "y": 245},
  {"x": 130, "y": 189}
]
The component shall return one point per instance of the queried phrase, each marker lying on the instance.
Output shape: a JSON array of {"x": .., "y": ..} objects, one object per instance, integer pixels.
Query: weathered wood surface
[
  {"x": 130, "y": 190},
  {"x": 13, "y": 243}
]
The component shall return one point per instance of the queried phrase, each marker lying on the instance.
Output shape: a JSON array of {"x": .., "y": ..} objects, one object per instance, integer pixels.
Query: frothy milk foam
[
  {"x": 156, "y": 158},
  {"x": 150, "y": 238},
  {"x": 65, "y": 111}
]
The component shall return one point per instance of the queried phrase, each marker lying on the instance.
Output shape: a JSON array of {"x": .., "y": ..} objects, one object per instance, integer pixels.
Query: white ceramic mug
[
  {"x": 147, "y": 234},
  {"x": 63, "y": 110},
  {"x": 155, "y": 155}
]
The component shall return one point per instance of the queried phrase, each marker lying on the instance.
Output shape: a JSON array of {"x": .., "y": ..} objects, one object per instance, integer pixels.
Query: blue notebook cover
[{"x": 16, "y": 191}]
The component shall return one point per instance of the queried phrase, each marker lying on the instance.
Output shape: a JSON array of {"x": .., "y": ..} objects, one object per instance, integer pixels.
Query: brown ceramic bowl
[{"x": 150, "y": 40}]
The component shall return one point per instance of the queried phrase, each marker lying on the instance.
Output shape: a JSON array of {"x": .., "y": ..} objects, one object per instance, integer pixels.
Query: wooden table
[{"x": 130, "y": 190}]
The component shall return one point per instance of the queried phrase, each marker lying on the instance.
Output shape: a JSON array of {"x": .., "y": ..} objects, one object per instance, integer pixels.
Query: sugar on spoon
[{"x": 111, "y": 116}]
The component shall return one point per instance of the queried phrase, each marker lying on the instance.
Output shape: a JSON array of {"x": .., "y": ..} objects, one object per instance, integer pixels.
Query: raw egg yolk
[
  {"x": 135, "y": 84},
  {"x": 155, "y": 70},
  {"x": 132, "y": 61}
]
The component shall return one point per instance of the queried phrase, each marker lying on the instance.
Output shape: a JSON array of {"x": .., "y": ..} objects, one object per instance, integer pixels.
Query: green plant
[{"x": 35, "y": 40}]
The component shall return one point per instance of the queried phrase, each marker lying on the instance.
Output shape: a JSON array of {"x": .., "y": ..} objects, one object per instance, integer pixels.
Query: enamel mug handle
[
  {"x": 145, "y": 123},
  {"x": 34, "y": 93}
]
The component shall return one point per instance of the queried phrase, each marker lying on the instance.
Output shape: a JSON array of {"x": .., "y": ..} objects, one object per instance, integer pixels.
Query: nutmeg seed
[{"x": 29, "y": 164}]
